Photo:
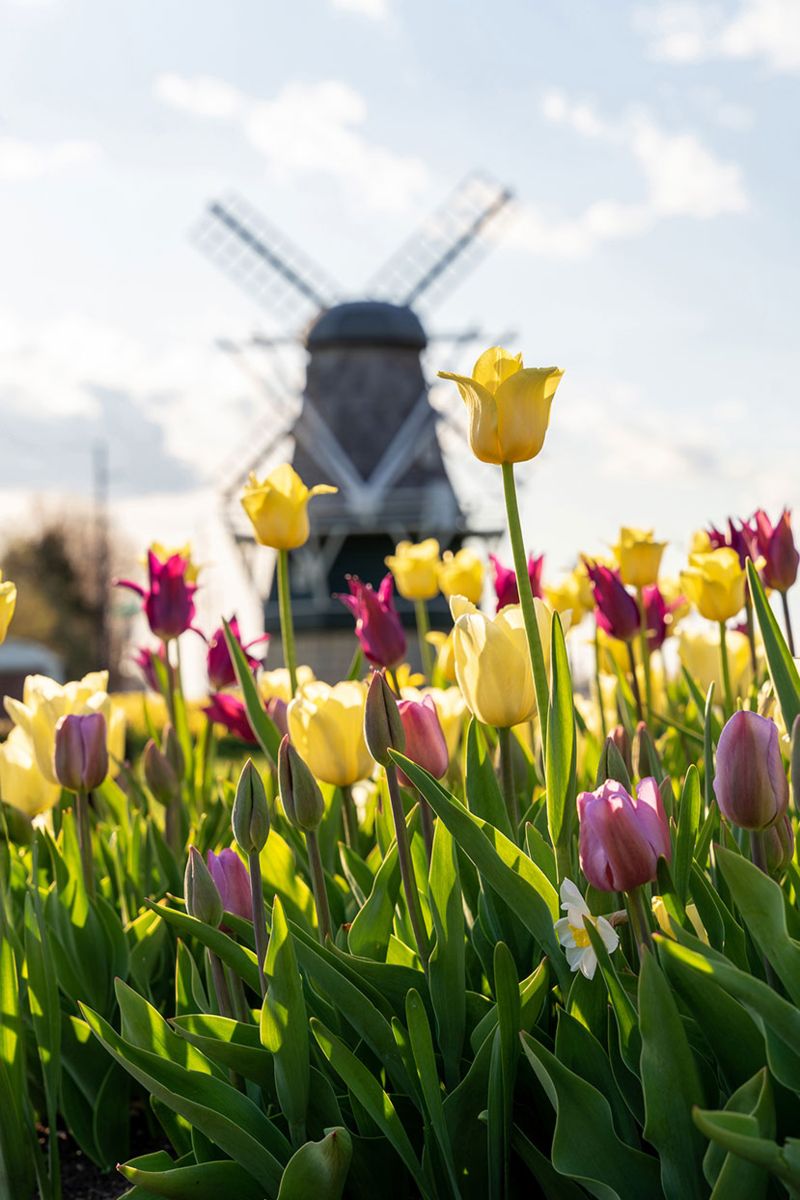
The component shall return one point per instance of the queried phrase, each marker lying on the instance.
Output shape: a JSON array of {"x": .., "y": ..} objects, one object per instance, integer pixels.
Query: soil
[{"x": 81, "y": 1179}]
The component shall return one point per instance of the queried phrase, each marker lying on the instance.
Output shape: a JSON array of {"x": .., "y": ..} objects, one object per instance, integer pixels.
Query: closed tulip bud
[
  {"x": 299, "y": 791},
  {"x": 159, "y": 774},
  {"x": 378, "y": 627},
  {"x": 796, "y": 764},
  {"x": 203, "y": 900},
  {"x": 616, "y": 609},
  {"x": 80, "y": 758},
  {"x": 172, "y": 749},
  {"x": 750, "y": 784},
  {"x": 250, "y": 816},
  {"x": 232, "y": 881},
  {"x": 715, "y": 583},
  {"x": 383, "y": 728},
  {"x": 621, "y": 739},
  {"x": 779, "y": 845},
  {"x": 425, "y": 741},
  {"x": 612, "y": 764},
  {"x": 278, "y": 507},
  {"x": 461, "y": 574},
  {"x": 638, "y": 556},
  {"x": 645, "y": 759},
  {"x": 415, "y": 567},
  {"x": 622, "y": 836},
  {"x": 776, "y": 546}
]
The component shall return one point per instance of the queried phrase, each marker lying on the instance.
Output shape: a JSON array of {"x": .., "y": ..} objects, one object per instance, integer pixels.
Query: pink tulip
[
  {"x": 168, "y": 603},
  {"x": 622, "y": 837},
  {"x": 219, "y": 663},
  {"x": 233, "y": 882},
  {"x": 378, "y": 627},
  {"x": 425, "y": 741},
  {"x": 144, "y": 661},
  {"x": 276, "y": 711},
  {"x": 616, "y": 609},
  {"x": 776, "y": 546},
  {"x": 80, "y": 757},
  {"x": 505, "y": 580},
  {"x": 750, "y": 785},
  {"x": 228, "y": 710}
]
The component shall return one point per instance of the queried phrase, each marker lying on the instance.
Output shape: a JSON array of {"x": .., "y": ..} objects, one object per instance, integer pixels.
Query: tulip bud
[
  {"x": 232, "y": 881},
  {"x": 796, "y": 764},
  {"x": 425, "y": 742},
  {"x": 159, "y": 774},
  {"x": 276, "y": 711},
  {"x": 80, "y": 758},
  {"x": 299, "y": 791},
  {"x": 383, "y": 728},
  {"x": 203, "y": 900},
  {"x": 172, "y": 749},
  {"x": 250, "y": 816},
  {"x": 750, "y": 783},
  {"x": 622, "y": 836},
  {"x": 778, "y": 845},
  {"x": 645, "y": 758},
  {"x": 612, "y": 765}
]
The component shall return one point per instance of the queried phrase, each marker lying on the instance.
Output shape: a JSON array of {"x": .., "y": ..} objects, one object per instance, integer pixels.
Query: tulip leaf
[
  {"x": 585, "y": 1144},
  {"x": 446, "y": 966},
  {"x": 319, "y": 1169},
  {"x": 372, "y": 925},
  {"x": 732, "y": 1177},
  {"x": 17, "y": 1139},
  {"x": 738, "y": 1133},
  {"x": 671, "y": 1086},
  {"x": 421, "y": 1041},
  {"x": 241, "y": 960},
  {"x": 231, "y": 1044},
  {"x": 624, "y": 1010},
  {"x": 264, "y": 729},
  {"x": 503, "y": 1069},
  {"x": 688, "y": 824},
  {"x": 504, "y": 866},
  {"x": 484, "y": 797},
  {"x": 561, "y": 741},
  {"x": 199, "y": 1181},
  {"x": 284, "y": 1025},
  {"x": 782, "y": 669}
]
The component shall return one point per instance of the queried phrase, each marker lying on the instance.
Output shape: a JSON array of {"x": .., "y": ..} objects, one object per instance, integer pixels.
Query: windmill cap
[{"x": 367, "y": 323}]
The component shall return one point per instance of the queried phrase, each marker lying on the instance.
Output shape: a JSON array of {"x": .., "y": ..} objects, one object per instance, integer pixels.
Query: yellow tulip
[
  {"x": 278, "y": 507},
  {"x": 415, "y": 567},
  {"x": 326, "y": 725},
  {"x": 8, "y": 602},
  {"x": 44, "y": 702},
  {"x": 638, "y": 556},
  {"x": 461, "y": 574},
  {"x": 700, "y": 542},
  {"x": 451, "y": 709},
  {"x": 276, "y": 684},
  {"x": 565, "y": 597},
  {"x": 163, "y": 553},
  {"x": 22, "y": 784},
  {"x": 715, "y": 583},
  {"x": 699, "y": 652},
  {"x": 407, "y": 677},
  {"x": 493, "y": 666},
  {"x": 445, "y": 666},
  {"x": 508, "y": 405}
]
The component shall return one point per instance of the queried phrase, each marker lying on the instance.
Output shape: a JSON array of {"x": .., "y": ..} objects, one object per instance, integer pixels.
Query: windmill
[{"x": 363, "y": 419}]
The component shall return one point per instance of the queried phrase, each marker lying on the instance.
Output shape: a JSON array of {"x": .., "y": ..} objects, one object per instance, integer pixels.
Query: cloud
[
  {"x": 681, "y": 177},
  {"x": 21, "y": 160},
  {"x": 376, "y": 10},
  {"x": 305, "y": 131},
  {"x": 694, "y": 31}
]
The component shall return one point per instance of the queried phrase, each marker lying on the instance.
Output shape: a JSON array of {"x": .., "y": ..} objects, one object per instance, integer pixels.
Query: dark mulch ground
[{"x": 82, "y": 1180}]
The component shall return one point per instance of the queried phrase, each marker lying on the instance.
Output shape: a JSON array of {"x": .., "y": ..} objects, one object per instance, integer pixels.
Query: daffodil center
[{"x": 580, "y": 936}]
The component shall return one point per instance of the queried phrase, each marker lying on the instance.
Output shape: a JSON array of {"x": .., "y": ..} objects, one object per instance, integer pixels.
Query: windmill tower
[{"x": 363, "y": 419}]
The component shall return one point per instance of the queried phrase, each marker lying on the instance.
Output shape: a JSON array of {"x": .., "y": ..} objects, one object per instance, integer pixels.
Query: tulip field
[{"x": 467, "y": 932}]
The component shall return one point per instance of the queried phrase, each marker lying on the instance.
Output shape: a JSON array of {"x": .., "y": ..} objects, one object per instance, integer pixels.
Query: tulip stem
[
  {"x": 639, "y": 920},
  {"x": 751, "y": 631},
  {"x": 259, "y": 915},
  {"x": 423, "y": 629},
  {"x": 600, "y": 705},
  {"x": 644, "y": 646},
  {"x": 407, "y": 865},
  {"x": 788, "y": 622},
  {"x": 526, "y": 600},
  {"x": 637, "y": 695},
  {"x": 349, "y": 818},
  {"x": 507, "y": 777},
  {"x": 84, "y": 829},
  {"x": 726, "y": 668},
  {"x": 318, "y": 886},
  {"x": 224, "y": 1003},
  {"x": 287, "y": 626}
]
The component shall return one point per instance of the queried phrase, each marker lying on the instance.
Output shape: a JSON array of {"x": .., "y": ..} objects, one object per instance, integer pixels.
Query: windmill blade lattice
[
  {"x": 263, "y": 261},
  {"x": 445, "y": 247}
]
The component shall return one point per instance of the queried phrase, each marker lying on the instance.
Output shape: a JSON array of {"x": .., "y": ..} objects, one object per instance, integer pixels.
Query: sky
[{"x": 653, "y": 249}]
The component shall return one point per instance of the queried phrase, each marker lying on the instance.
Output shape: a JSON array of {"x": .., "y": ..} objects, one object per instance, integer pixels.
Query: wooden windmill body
[{"x": 363, "y": 420}]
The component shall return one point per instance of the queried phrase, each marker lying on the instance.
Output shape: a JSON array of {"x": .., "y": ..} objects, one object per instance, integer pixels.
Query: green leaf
[
  {"x": 503, "y": 1070},
  {"x": 671, "y": 1087},
  {"x": 731, "y": 1177},
  {"x": 241, "y": 960},
  {"x": 16, "y": 1129},
  {"x": 231, "y": 1044},
  {"x": 284, "y": 1025},
  {"x": 783, "y": 672},
  {"x": 372, "y": 925},
  {"x": 419, "y": 1032},
  {"x": 484, "y": 797},
  {"x": 585, "y": 1144},
  {"x": 688, "y": 824},
  {"x": 319, "y": 1169},
  {"x": 369, "y": 1093},
  {"x": 561, "y": 741},
  {"x": 630, "y": 1042},
  {"x": 738, "y": 1134},
  {"x": 446, "y": 970},
  {"x": 201, "y": 1181},
  {"x": 264, "y": 730}
]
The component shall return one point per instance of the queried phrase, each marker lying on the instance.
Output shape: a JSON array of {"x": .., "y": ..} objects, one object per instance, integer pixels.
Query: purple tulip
[
  {"x": 233, "y": 882},
  {"x": 80, "y": 758},
  {"x": 143, "y": 659},
  {"x": 622, "y": 837},
  {"x": 378, "y": 626},
  {"x": 505, "y": 580},
  {"x": 168, "y": 603},
  {"x": 741, "y": 539},
  {"x": 425, "y": 741},
  {"x": 776, "y": 546},
  {"x": 657, "y": 613},
  {"x": 779, "y": 845},
  {"x": 228, "y": 710},
  {"x": 616, "y": 609},
  {"x": 219, "y": 663},
  {"x": 750, "y": 784}
]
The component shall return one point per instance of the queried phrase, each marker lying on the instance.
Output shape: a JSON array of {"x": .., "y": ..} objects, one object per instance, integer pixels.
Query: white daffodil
[{"x": 572, "y": 934}]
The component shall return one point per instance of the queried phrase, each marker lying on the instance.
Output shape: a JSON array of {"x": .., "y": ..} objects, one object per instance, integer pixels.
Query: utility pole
[{"x": 100, "y": 477}]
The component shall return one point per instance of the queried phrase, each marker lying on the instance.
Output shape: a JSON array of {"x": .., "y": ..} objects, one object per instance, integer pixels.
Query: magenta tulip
[
  {"x": 616, "y": 609},
  {"x": 168, "y": 602},
  {"x": 378, "y": 627},
  {"x": 776, "y": 546},
  {"x": 742, "y": 539},
  {"x": 750, "y": 784},
  {"x": 233, "y": 882},
  {"x": 228, "y": 710},
  {"x": 622, "y": 837},
  {"x": 80, "y": 757},
  {"x": 505, "y": 580},
  {"x": 425, "y": 741},
  {"x": 144, "y": 661},
  {"x": 657, "y": 614},
  {"x": 219, "y": 663}
]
